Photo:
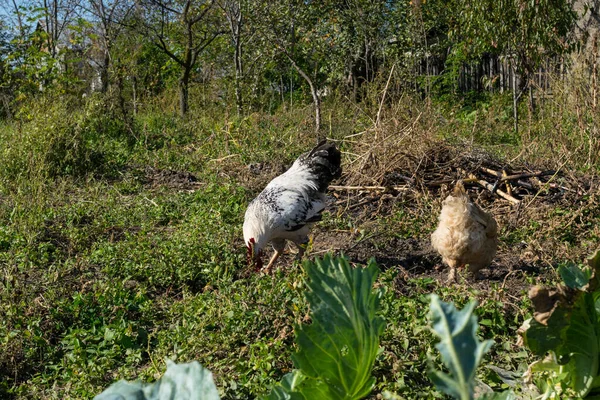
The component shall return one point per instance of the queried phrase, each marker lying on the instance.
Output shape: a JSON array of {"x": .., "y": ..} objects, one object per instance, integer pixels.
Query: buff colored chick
[{"x": 466, "y": 235}]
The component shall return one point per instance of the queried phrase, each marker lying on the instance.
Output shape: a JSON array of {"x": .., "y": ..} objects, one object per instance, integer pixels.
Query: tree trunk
[
  {"x": 316, "y": 100},
  {"x": 54, "y": 28},
  {"x": 134, "y": 90},
  {"x": 184, "y": 91},
  {"x": 104, "y": 72},
  {"x": 515, "y": 105},
  {"x": 19, "y": 20},
  {"x": 238, "y": 76},
  {"x": 313, "y": 92},
  {"x": 515, "y": 101}
]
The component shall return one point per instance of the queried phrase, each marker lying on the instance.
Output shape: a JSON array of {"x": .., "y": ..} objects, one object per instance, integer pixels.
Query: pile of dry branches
[{"x": 398, "y": 163}]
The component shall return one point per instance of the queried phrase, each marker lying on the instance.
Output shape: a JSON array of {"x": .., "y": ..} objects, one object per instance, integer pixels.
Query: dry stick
[
  {"x": 555, "y": 186},
  {"x": 383, "y": 97},
  {"x": 500, "y": 193},
  {"x": 346, "y": 200},
  {"x": 526, "y": 185},
  {"x": 440, "y": 182},
  {"x": 567, "y": 159},
  {"x": 362, "y": 203},
  {"x": 345, "y": 188},
  {"x": 508, "y": 188},
  {"x": 356, "y": 134},
  {"x": 527, "y": 175},
  {"x": 223, "y": 158},
  {"x": 516, "y": 176}
]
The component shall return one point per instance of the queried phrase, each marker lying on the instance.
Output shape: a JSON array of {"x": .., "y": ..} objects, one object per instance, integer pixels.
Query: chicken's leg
[
  {"x": 278, "y": 246},
  {"x": 272, "y": 261},
  {"x": 452, "y": 275}
]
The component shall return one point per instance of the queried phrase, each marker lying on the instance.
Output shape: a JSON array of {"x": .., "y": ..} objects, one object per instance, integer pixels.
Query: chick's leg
[
  {"x": 452, "y": 275},
  {"x": 474, "y": 269},
  {"x": 278, "y": 246}
]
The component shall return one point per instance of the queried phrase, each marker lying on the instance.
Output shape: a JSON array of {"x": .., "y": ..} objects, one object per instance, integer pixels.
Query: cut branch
[
  {"x": 490, "y": 187},
  {"x": 369, "y": 188},
  {"x": 513, "y": 177}
]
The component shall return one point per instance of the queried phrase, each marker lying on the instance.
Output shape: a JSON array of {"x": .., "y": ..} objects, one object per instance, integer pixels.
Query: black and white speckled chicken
[{"x": 290, "y": 203}]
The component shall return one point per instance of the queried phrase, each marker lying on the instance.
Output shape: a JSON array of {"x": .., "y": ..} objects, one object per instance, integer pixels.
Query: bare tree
[
  {"x": 109, "y": 16},
  {"x": 313, "y": 89},
  {"x": 58, "y": 16},
  {"x": 282, "y": 20},
  {"x": 17, "y": 13},
  {"x": 182, "y": 30},
  {"x": 235, "y": 19}
]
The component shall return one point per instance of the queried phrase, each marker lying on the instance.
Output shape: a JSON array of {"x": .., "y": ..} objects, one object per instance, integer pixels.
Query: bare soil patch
[{"x": 181, "y": 180}]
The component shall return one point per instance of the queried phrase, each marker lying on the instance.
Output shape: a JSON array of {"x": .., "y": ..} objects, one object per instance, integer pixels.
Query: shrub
[{"x": 50, "y": 140}]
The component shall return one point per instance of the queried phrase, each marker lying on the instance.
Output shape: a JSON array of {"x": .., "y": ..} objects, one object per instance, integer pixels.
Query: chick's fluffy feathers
[{"x": 466, "y": 234}]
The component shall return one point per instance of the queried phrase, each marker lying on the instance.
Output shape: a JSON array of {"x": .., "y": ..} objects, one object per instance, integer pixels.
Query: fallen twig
[
  {"x": 556, "y": 186},
  {"x": 223, "y": 158},
  {"x": 527, "y": 175},
  {"x": 151, "y": 201},
  {"x": 369, "y": 188},
  {"x": 439, "y": 182},
  {"x": 500, "y": 193},
  {"x": 362, "y": 203},
  {"x": 508, "y": 187},
  {"x": 526, "y": 185},
  {"x": 504, "y": 177},
  {"x": 491, "y": 172}
]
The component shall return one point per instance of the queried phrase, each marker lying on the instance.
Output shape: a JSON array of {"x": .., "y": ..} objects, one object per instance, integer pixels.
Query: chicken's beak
[
  {"x": 258, "y": 261},
  {"x": 254, "y": 258}
]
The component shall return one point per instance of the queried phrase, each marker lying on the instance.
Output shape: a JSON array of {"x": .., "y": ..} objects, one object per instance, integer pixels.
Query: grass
[{"x": 114, "y": 259}]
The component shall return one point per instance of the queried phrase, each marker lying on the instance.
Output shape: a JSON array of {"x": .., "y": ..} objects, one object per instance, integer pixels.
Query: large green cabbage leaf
[
  {"x": 337, "y": 350},
  {"x": 188, "y": 381}
]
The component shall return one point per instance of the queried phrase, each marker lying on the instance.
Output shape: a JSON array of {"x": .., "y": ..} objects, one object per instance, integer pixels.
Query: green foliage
[
  {"x": 54, "y": 140},
  {"x": 566, "y": 333},
  {"x": 336, "y": 352},
  {"x": 529, "y": 30},
  {"x": 188, "y": 381},
  {"x": 101, "y": 277},
  {"x": 461, "y": 350}
]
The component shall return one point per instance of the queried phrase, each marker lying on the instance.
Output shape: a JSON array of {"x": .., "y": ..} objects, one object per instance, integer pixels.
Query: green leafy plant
[
  {"x": 337, "y": 351},
  {"x": 461, "y": 350},
  {"x": 188, "y": 381},
  {"x": 565, "y": 331}
]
